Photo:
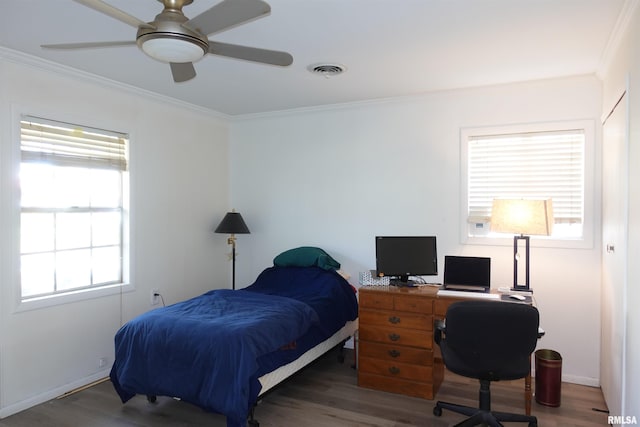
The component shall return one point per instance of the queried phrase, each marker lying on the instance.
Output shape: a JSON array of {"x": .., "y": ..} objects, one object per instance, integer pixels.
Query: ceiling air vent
[{"x": 327, "y": 70}]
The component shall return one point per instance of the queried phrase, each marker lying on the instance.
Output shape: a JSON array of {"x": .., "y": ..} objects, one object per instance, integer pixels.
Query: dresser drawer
[
  {"x": 413, "y": 304},
  {"x": 395, "y": 369},
  {"x": 387, "y": 301},
  {"x": 397, "y": 336},
  {"x": 397, "y": 319},
  {"x": 400, "y": 354},
  {"x": 441, "y": 305},
  {"x": 396, "y": 385},
  {"x": 376, "y": 300}
]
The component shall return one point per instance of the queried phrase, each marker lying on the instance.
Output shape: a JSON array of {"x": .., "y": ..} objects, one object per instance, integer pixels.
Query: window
[
  {"x": 539, "y": 162},
  {"x": 72, "y": 220}
]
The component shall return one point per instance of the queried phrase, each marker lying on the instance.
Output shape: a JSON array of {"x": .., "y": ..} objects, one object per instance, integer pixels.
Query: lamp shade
[
  {"x": 232, "y": 223},
  {"x": 522, "y": 216}
]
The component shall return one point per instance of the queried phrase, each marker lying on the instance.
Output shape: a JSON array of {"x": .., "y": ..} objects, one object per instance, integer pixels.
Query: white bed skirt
[{"x": 273, "y": 378}]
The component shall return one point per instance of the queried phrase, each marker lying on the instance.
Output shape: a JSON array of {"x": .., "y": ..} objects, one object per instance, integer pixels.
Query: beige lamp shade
[{"x": 522, "y": 216}]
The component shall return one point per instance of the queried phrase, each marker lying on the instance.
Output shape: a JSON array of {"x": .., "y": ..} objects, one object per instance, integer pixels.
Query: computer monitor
[
  {"x": 404, "y": 256},
  {"x": 467, "y": 273}
]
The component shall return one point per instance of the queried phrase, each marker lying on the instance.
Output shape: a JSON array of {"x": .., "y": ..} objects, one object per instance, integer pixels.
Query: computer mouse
[{"x": 518, "y": 297}]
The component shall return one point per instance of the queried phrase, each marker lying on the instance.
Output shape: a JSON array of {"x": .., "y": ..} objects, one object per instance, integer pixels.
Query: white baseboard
[
  {"x": 14, "y": 408},
  {"x": 575, "y": 379}
]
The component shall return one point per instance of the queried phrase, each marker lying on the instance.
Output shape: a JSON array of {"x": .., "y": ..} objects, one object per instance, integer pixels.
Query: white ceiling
[{"x": 389, "y": 47}]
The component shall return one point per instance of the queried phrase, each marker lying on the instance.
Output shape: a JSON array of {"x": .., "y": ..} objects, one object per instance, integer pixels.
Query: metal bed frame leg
[
  {"x": 341, "y": 355},
  {"x": 252, "y": 422}
]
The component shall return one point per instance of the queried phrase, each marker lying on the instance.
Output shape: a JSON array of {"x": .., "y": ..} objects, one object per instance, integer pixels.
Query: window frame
[
  {"x": 587, "y": 239},
  {"x": 13, "y": 245}
]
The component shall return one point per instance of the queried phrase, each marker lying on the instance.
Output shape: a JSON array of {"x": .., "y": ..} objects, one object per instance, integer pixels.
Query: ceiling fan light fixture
[
  {"x": 173, "y": 50},
  {"x": 175, "y": 39}
]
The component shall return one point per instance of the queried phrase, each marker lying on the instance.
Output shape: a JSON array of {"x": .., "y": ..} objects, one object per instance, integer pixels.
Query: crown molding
[
  {"x": 63, "y": 70},
  {"x": 621, "y": 27}
]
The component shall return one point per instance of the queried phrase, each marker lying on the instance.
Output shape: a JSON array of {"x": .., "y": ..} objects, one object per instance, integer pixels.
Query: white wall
[
  {"x": 336, "y": 177},
  {"x": 623, "y": 72},
  {"x": 179, "y": 191}
]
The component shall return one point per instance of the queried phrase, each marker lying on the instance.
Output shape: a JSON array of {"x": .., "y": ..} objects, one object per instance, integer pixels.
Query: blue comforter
[{"x": 210, "y": 350}]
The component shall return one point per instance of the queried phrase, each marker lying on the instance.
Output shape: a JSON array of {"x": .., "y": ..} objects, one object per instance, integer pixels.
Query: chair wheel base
[{"x": 483, "y": 416}]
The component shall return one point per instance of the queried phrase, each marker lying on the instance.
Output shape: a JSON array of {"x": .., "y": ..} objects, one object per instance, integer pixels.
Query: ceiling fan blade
[
  {"x": 182, "y": 72},
  {"x": 115, "y": 13},
  {"x": 265, "y": 56},
  {"x": 87, "y": 45},
  {"x": 227, "y": 14}
]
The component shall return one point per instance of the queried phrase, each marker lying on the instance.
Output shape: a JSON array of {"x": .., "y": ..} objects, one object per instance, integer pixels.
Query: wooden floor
[{"x": 323, "y": 395}]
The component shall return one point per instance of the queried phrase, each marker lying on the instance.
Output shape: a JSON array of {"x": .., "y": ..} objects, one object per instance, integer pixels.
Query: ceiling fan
[{"x": 173, "y": 38}]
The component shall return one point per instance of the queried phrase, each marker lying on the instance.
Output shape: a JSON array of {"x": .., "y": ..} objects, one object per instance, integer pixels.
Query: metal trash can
[{"x": 548, "y": 377}]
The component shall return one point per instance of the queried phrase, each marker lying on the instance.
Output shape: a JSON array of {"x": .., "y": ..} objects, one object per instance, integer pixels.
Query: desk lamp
[
  {"x": 524, "y": 217},
  {"x": 232, "y": 224}
]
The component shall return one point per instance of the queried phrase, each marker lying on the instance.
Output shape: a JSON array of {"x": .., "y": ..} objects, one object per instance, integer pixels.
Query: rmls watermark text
[{"x": 621, "y": 420}]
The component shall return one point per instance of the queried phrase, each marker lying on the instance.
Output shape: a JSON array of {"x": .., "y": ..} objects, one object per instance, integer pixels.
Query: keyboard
[{"x": 467, "y": 294}]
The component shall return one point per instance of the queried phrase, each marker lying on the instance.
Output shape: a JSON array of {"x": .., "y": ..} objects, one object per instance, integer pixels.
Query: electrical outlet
[
  {"x": 155, "y": 296},
  {"x": 102, "y": 362}
]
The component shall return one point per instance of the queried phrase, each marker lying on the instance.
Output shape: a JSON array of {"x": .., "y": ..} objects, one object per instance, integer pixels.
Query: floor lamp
[
  {"x": 524, "y": 217},
  {"x": 232, "y": 224}
]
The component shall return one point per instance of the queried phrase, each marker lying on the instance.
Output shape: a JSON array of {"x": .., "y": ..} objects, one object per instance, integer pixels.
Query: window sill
[
  {"x": 71, "y": 297},
  {"x": 535, "y": 242}
]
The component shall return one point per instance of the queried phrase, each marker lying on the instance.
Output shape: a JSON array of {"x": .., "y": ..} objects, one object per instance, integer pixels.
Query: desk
[{"x": 396, "y": 351}]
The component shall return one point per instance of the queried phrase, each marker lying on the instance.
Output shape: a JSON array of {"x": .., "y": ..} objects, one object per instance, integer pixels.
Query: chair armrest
[{"x": 439, "y": 327}]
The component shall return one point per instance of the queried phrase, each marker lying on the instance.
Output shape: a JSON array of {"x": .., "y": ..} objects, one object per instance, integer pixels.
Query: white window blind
[
  {"x": 528, "y": 165},
  {"x": 63, "y": 144}
]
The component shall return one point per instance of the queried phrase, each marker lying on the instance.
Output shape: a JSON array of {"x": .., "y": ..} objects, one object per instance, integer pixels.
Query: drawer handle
[
  {"x": 394, "y": 353},
  {"x": 394, "y": 319},
  {"x": 394, "y": 337},
  {"x": 394, "y": 370}
]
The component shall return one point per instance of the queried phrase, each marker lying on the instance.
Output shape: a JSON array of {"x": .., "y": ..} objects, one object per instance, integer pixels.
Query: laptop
[{"x": 464, "y": 273}]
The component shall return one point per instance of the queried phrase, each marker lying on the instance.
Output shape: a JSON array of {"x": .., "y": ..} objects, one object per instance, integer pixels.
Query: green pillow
[{"x": 306, "y": 256}]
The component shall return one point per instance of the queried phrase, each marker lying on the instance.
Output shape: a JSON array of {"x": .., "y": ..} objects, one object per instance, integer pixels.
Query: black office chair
[{"x": 490, "y": 341}]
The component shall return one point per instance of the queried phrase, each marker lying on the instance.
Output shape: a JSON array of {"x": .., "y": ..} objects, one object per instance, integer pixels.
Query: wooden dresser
[{"x": 395, "y": 341}]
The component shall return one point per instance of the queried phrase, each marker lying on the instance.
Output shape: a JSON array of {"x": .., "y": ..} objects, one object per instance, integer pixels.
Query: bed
[{"x": 224, "y": 349}]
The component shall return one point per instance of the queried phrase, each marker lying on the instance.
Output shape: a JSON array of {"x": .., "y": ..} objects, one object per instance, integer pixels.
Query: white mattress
[{"x": 275, "y": 377}]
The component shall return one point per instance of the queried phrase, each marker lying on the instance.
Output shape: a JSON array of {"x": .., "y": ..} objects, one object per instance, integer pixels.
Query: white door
[{"x": 614, "y": 268}]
